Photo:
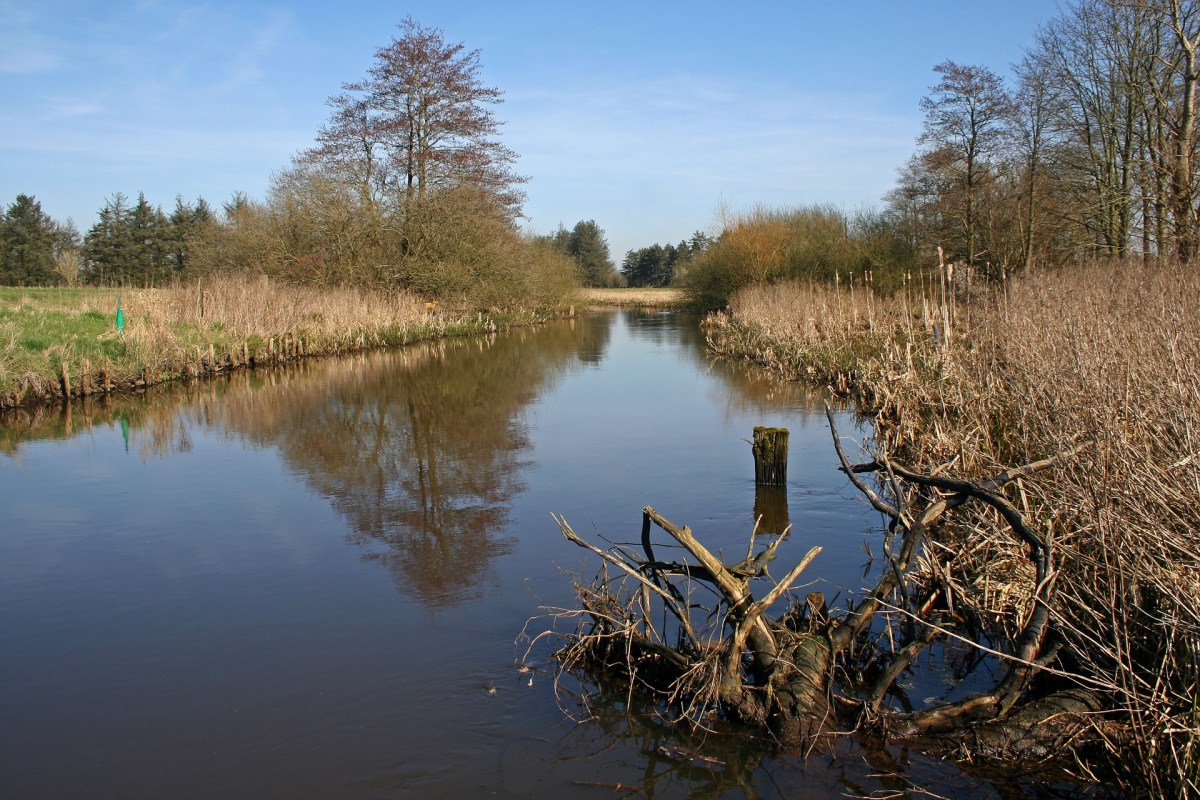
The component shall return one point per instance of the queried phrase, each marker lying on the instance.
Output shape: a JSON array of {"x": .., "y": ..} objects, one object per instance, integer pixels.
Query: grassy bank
[
  {"x": 65, "y": 341},
  {"x": 1107, "y": 356}
]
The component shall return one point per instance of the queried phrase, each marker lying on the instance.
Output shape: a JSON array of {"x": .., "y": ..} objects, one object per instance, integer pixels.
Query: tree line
[
  {"x": 661, "y": 265},
  {"x": 1088, "y": 149},
  {"x": 406, "y": 186}
]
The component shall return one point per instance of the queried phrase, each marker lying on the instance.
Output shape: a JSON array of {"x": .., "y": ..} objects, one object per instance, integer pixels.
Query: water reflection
[
  {"x": 771, "y": 509},
  {"x": 421, "y": 450}
]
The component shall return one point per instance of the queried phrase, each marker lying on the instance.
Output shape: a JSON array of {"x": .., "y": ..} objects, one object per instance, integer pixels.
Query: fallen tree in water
[{"x": 698, "y": 635}]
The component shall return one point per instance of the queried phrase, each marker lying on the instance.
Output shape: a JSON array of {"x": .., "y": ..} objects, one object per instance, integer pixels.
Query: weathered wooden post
[{"x": 770, "y": 448}]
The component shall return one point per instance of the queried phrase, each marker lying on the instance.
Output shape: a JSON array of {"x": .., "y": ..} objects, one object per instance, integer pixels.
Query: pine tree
[
  {"x": 589, "y": 247},
  {"x": 186, "y": 223},
  {"x": 103, "y": 244},
  {"x": 27, "y": 236}
]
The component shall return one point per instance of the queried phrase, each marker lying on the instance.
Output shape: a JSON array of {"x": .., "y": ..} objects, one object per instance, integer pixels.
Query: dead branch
[{"x": 779, "y": 673}]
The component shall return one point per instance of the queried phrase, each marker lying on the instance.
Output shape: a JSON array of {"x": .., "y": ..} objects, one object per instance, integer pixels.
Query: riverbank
[
  {"x": 60, "y": 343},
  {"x": 1101, "y": 362}
]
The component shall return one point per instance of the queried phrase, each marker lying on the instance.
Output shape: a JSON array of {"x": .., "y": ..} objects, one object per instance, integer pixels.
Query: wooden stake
[{"x": 770, "y": 448}]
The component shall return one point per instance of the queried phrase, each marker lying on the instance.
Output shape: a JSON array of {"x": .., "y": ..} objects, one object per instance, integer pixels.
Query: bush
[
  {"x": 458, "y": 246},
  {"x": 816, "y": 243}
]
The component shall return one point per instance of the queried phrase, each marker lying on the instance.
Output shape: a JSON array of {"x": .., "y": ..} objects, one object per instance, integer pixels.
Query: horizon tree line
[
  {"x": 1087, "y": 149},
  {"x": 407, "y": 186}
]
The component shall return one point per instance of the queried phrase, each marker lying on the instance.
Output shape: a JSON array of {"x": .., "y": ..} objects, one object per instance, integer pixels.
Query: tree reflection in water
[{"x": 421, "y": 449}]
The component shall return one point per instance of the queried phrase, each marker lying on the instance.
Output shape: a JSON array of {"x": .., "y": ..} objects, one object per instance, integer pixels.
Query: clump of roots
[{"x": 693, "y": 632}]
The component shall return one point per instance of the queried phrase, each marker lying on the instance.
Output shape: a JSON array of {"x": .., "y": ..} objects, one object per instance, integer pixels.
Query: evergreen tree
[
  {"x": 660, "y": 265},
  {"x": 699, "y": 244},
  {"x": 561, "y": 239},
  {"x": 590, "y": 249},
  {"x": 131, "y": 244},
  {"x": 104, "y": 245},
  {"x": 186, "y": 223},
  {"x": 27, "y": 238},
  {"x": 149, "y": 243}
]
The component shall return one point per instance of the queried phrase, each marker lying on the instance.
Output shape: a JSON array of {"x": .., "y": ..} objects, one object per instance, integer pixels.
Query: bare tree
[
  {"x": 1031, "y": 131},
  {"x": 1099, "y": 51},
  {"x": 965, "y": 116},
  {"x": 422, "y": 121},
  {"x": 1171, "y": 80},
  {"x": 425, "y": 104}
]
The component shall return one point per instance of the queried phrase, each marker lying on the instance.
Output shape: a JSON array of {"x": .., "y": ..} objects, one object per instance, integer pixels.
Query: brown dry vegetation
[
  {"x": 1104, "y": 355},
  {"x": 635, "y": 297},
  {"x": 189, "y": 331}
]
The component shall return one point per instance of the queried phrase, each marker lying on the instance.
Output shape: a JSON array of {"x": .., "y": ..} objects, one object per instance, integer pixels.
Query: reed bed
[
  {"x": 1101, "y": 359},
  {"x": 54, "y": 344},
  {"x": 634, "y": 297}
]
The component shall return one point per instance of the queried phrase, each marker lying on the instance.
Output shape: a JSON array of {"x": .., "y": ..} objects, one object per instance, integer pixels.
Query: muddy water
[{"x": 314, "y": 583}]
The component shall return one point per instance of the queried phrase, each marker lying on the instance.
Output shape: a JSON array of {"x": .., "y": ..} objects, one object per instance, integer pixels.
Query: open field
[{"x": 648, "y": 298}]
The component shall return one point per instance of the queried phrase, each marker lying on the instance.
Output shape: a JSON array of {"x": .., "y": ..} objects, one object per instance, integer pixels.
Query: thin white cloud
[
  {"x": 66, "y": 107},
  {"x": 23, "y": 49},
  {"x": 671, "y": 149}
]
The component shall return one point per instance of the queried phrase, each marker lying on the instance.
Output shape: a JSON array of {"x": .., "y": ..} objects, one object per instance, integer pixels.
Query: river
[{"x": 319, "y": 582}]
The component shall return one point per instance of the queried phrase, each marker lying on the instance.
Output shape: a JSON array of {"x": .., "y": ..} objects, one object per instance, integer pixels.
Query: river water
[{"x": 319, "y": 582}]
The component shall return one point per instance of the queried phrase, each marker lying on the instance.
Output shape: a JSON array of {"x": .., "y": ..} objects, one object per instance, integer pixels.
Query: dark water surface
[{"x": 304, "y": 584}]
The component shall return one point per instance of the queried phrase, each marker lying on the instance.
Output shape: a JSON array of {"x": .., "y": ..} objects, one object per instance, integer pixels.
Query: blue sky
[{"x": 646, "y": 117}]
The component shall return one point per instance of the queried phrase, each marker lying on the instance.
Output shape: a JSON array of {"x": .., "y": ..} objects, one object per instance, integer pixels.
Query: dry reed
[
  {"x": 1107, "y": 354},
  {"x": 218, "y": 324},
  {"x": 633, "y": 297}
]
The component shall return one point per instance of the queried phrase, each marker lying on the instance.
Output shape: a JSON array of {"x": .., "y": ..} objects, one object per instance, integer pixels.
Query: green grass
[
  {"x": 58, "y": 297},
  {"x": 38, "y": 332}
]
